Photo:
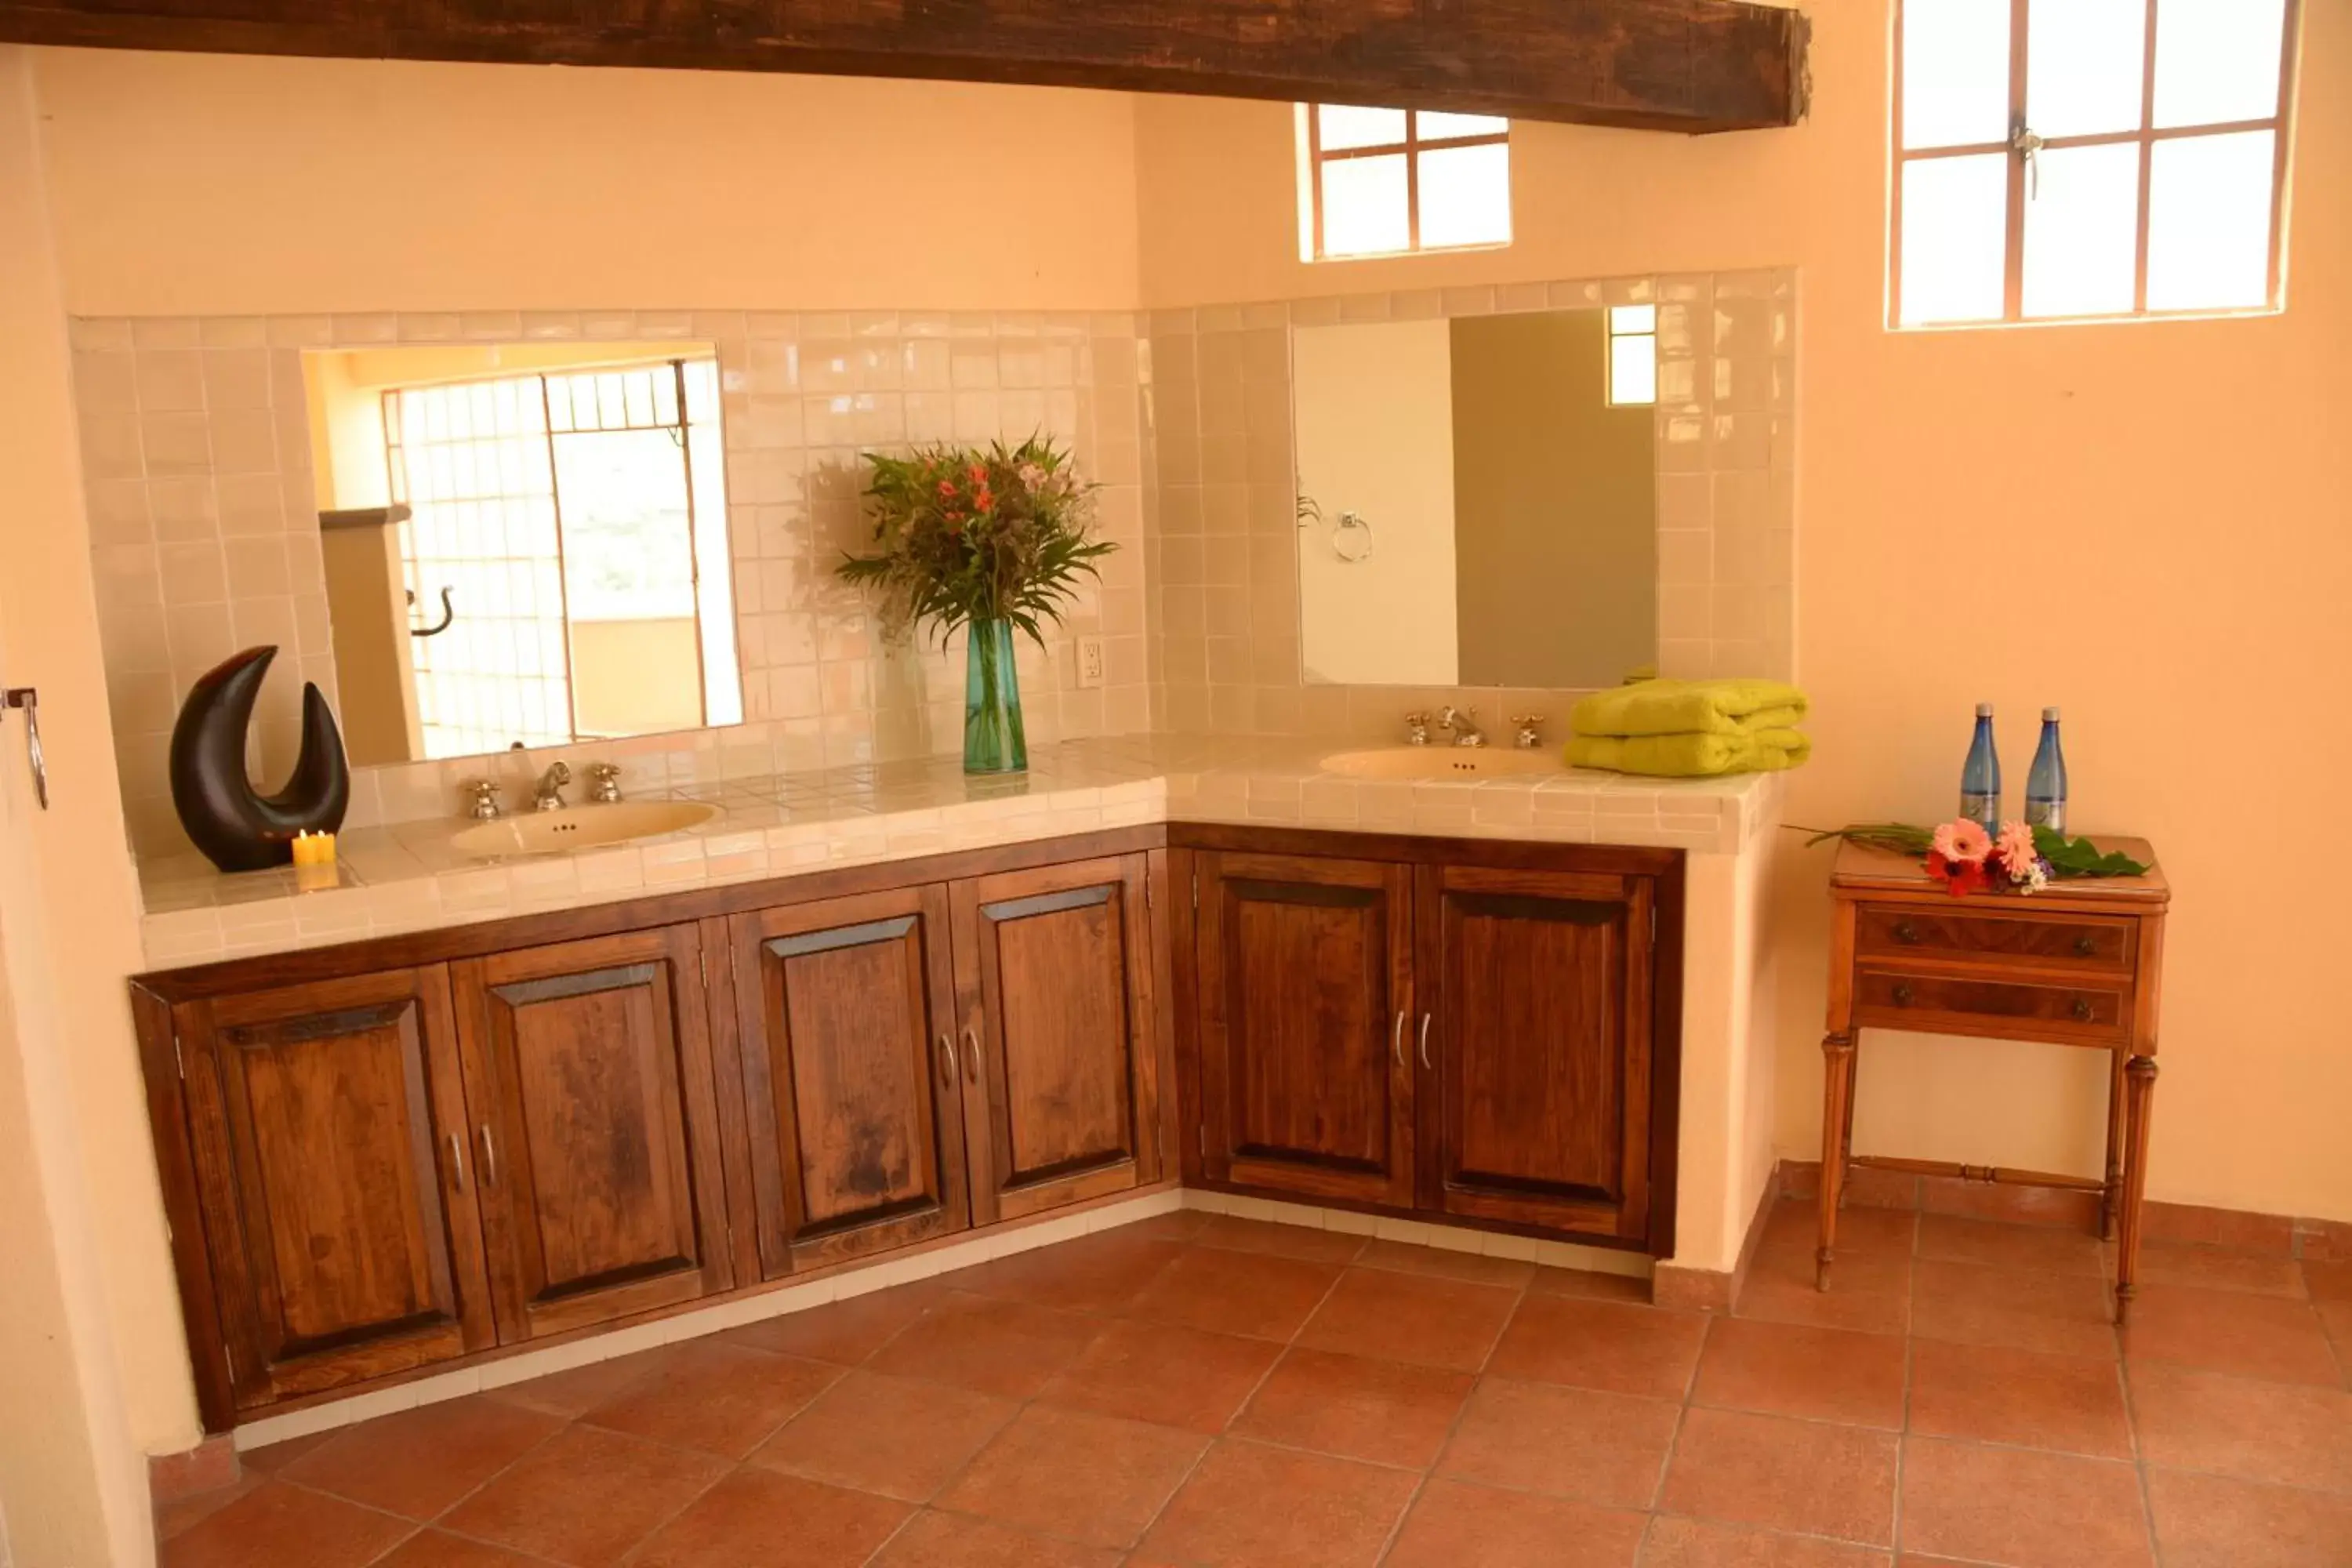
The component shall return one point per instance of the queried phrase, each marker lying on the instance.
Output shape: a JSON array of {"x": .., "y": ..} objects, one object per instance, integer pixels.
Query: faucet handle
[
  {"x": 482, "y": 797},
  {"x": 1416, "y": 726},
  {"x": 1525, "y": 723},
  {"x": 604, "y": 781}
]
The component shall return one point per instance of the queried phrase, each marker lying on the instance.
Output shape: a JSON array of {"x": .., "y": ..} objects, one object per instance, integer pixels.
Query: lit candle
[{"x": 314, "y": 849}]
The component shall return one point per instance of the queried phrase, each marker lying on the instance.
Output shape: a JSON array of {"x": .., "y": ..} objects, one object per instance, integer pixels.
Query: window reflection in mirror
[
  {"x": 1477, "y": 500},
  {"x": 525, "y": 543}
]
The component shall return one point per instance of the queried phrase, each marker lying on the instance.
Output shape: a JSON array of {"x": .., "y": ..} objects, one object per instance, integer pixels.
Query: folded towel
[
  {"x": 1690, "y": 708},
  {"x": 1691, "y": 756}
]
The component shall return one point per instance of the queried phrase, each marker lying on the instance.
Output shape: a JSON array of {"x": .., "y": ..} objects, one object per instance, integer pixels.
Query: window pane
[
  {"x": 1634, "y": 368},
  {"x": 2083, "y": 66},
  {"x": 2082, "y": 231},
  {"x": 1955, "y": 72},
  {"x": 1466, "y": 196},
  {"x": 1364, "y": 206},
  {"x": 1632, "y": 318},
  {"x": 2216, "y": 60},
  {"x": 2209, "y": 222},
  {"x": 1438, "y": 127},
  {"x": 1345, "y": 127},
  {"x": 1952, "y": 251}
]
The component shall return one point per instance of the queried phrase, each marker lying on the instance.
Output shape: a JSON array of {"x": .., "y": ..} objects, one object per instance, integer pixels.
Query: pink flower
[
  {"x": 2016, "y": 851},
  {"x": 1963, "y": 843},
  {"x": 1032, "y": 475}
]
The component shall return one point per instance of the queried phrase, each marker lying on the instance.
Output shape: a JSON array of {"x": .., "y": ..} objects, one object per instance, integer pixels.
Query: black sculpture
[{"x": 239, "y": 829}]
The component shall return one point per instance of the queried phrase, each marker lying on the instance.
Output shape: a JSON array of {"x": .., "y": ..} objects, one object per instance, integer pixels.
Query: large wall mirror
[
  {"x": 525, "y": 544},
  {"x": 1477, "y": 499}
]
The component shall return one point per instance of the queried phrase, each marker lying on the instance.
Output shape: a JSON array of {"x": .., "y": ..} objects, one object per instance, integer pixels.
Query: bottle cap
[
  {"x": 2050, "y": 715},
  {"x": 1984, "y": 710}
]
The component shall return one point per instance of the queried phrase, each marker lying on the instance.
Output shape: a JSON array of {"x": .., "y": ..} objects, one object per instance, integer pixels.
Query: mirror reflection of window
[{"x": 1632, "y": 354}]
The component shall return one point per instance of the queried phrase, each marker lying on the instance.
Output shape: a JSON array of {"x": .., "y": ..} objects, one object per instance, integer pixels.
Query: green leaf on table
[
  {"x": 1901, "y": 837},
  {"x": 2080, "y": 857}
]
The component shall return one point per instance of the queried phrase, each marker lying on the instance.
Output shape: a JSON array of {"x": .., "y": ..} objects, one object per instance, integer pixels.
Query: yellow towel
[
  {"x": 1690, "y": 708},
  {"x": 1691, "y": 756}
]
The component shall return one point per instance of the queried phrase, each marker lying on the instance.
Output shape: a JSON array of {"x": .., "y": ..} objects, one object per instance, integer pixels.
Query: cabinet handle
[
  {"x": 1396, "y": 1038},
  {"x": 2085, "y": 946},
  {"x": 1424, "y": 1042},
  {"x": 2082, "y": 1010},
  {"x": 970, "y": 1056},
  {"x": 1902, "y": 995},
  {"x": 947, "y": 1053},
  {"x": 1906, "y": 933},
  {"x": 489, "y": 1156},
  {"x": 457, "y": 1158}
]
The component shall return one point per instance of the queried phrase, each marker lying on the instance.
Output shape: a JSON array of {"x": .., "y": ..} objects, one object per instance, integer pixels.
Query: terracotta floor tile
[
  {"x": 279, "y": 1526},
  {"x": 1807, "y": 1477},
  {"x": 2219, "y": 1269},
  {"x": 1997, "y": 1395},
  {"x": 1158, "y": 1372},
  {"x": 776, "y": 1521},
  {"x": 898, "y": 1437},
  {"x": 1602, "y": 1345},
  {"x": 951, "y": 1541},
  {"x": 1178, "y": 1224},
  {"x": 1302, "y": 1242},
  {"x": 1250, "y": 1506},
  {"x": 180, "y": 1514},
  {"x": 1414, "y": 1318},
  {"x": 1869, "y": 1292},
  {"x": 1095, "y": 1273},
  {"x": 1084, "y": 1477},
  {"x": 1230, "y": 1292},
  {"x": 2273, "y": 1432},
  {"x": 1788, "y": 1369},
  {"x": 1356, "y": 1407},
  {"x": 585, "y": 1496},
  {"x": 1451, "y": 1525},
  {"x": 576, "y": 1391},
  {"x": 2062, "y": 1314},
  {"x": 1953, "y": 1239},
  {"x": 272, "y": 1457},
  {"x": 1477, "y": 1268},
  {"x": 1886, "y": 1232},
  {"x": 2229, "y": 1331},
  {"x": 1583, "y": 1443},
  {"x": 846, "y": 1332},
  {"x": 1869, "y": 1189},
  {"x": 418, "y": 1462},
  {"x": 722, "y": 1398},
  {"x": 1587, "y": 1284},
  {"x": 2012, "y": 1203},
  {"x": 2212, "y": 1521},
  {"x": 2019, "y": 1507},
  {"x": 434, "y": 1549},
  {"x": 2326, "y": 1280},
  {"x": 1008, "y": 1348},
  {"x": 1695, "y": 1544}
]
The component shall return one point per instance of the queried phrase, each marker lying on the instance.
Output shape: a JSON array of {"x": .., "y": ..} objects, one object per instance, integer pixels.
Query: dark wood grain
[
  {"x": 1668, "y": 65},
  {"x": 159, "y": 1061},
  {"x": 1993, "y": 930},
  {"x": 844, "y": 1013}
]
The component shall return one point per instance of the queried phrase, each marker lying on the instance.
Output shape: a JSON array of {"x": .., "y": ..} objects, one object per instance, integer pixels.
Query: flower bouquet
[{"x": 1967, "y": 860}]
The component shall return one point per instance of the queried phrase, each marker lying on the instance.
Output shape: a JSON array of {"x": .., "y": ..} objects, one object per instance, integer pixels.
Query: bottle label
[
  {"x": 1980, "y": 807},
  {"x": 2049, "y": 814}
]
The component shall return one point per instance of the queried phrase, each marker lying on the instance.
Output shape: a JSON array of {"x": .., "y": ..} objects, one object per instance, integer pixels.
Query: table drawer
[
  {"x": 2058, "y": 941},
  {"x": 1897, "y": 999}
]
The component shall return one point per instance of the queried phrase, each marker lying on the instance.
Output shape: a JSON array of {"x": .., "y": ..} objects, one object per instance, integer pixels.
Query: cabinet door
[
  {"x": 1537, "y": 985},
  {"x": 1305, "y": 992},
  {"x": 327, "y": 1125},
  {"x": 588, "y": 1072},
  {"x": 1054, "y": 974},
  {"x": 845, "y": 1013}
]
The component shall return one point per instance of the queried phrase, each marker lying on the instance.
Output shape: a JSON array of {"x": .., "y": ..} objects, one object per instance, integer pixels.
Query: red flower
[
  {"x": 979, "y": 473},
  {"x": 984, "y": 501},
  {"x": 947, "y": 488},
  {"x": 1960, "y": 878}
]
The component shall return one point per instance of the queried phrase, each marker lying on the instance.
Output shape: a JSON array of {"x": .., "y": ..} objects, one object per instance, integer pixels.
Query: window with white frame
[
  {"x": 1386, "y": 182},
  {"x": 2070, "y": 159}
]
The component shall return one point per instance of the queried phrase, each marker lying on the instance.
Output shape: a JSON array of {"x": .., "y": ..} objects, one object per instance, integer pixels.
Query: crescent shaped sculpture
[{"x": 237, "y": 827}]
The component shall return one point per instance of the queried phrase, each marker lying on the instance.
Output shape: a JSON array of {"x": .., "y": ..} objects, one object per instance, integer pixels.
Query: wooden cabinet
[
  {"x": 327, "y": 1123},
  {"x": 588, "y": 1075},
  {"x": 1305, "y": 1004}
]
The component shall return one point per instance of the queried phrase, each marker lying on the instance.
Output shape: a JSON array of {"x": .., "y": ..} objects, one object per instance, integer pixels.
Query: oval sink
[
  {"x": 580, "y": 827},
  {"x": 1439, "y": 763}
]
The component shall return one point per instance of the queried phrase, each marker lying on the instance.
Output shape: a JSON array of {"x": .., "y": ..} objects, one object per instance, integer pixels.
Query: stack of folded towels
[{"x": 1690, "y": 728}]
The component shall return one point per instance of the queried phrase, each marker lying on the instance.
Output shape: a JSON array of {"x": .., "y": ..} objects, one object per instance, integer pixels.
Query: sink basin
[
  {"x": 580, "y": 827},
  {"x": 1440, "y": 763}
]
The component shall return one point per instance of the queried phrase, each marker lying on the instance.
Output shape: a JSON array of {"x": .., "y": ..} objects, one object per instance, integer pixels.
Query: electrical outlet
[{"x": 1090, "y": 662}]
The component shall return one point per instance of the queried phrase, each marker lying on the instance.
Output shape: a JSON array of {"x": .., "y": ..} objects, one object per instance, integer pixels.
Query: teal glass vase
[{"x": 994, "y": 741}]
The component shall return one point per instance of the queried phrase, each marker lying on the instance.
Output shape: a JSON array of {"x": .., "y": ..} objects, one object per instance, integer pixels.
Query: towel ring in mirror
[
  {"x": 1351, "y": 523},
  {"x": 448, "y": 614}
]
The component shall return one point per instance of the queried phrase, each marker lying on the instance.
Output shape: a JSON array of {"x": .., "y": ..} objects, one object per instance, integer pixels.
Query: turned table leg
[
  {"x": 2140, "y": 1074},
  {"x": 2111, "y": 1200},
  {"x": 1837, "y": 1113}
]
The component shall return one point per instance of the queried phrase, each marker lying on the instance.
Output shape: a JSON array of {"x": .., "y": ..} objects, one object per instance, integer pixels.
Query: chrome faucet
[
  {"x": 1416, "y": 728},
  {"x": 604, "y": 782},
  {"x": 1461, "y": 723},
  {"x": 1530, "y": 737},
  {"x": 482, "y": 803},
  {"x": 550, "y": 795}
]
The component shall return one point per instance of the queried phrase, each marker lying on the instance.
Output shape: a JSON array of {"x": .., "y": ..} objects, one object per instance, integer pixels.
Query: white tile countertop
[{"x": 406, "y": 877}]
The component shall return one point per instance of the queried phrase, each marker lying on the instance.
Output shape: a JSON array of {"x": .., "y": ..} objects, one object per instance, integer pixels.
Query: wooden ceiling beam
[{"x": 1662, "y": 65}]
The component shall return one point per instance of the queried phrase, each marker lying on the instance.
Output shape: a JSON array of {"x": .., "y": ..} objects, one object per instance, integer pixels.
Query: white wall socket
[{"x": 1090, "y": 662}]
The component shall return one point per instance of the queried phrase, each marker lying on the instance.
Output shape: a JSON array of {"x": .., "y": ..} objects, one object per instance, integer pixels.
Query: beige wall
[
  {"x": 2167, "y": 498},
  {"x": 375, "y": 683}
]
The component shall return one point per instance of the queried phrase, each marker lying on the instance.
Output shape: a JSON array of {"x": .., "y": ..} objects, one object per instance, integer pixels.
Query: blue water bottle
[
  {"x": 1980, "y": 778},
  {"x": 2045, "y": 786}
]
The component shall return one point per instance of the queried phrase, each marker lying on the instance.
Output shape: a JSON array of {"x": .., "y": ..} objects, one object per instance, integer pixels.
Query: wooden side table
[{"x": 2076, "y": 964}]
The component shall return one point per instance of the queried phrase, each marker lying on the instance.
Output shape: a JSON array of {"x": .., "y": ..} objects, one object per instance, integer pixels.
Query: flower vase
[{"x": 994, "y": 739}]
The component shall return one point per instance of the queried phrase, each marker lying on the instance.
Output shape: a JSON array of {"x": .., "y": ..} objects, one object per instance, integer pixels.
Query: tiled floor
[{"x": 1199, "y": 1390}]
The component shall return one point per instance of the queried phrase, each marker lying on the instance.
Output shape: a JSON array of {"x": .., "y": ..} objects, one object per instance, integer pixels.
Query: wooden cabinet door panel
[
  {"x": 1536, "y": 986},
  {"x": 1054, "y": 977},
  {"x": 343, "y": 1235},
  {"x": 1305, "y": 969},
  {"x": 845, "y": 1015},
  {"x": 588, "y": 1071}
]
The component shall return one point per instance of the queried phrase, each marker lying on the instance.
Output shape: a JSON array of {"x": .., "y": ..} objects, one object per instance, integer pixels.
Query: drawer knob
[
  {"x": 2082, "y": 1010},
  {"x": 2085, "y": 946},
  {"x": 1902, "y": 994},
  {"x": 1906, "y": 933}
]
